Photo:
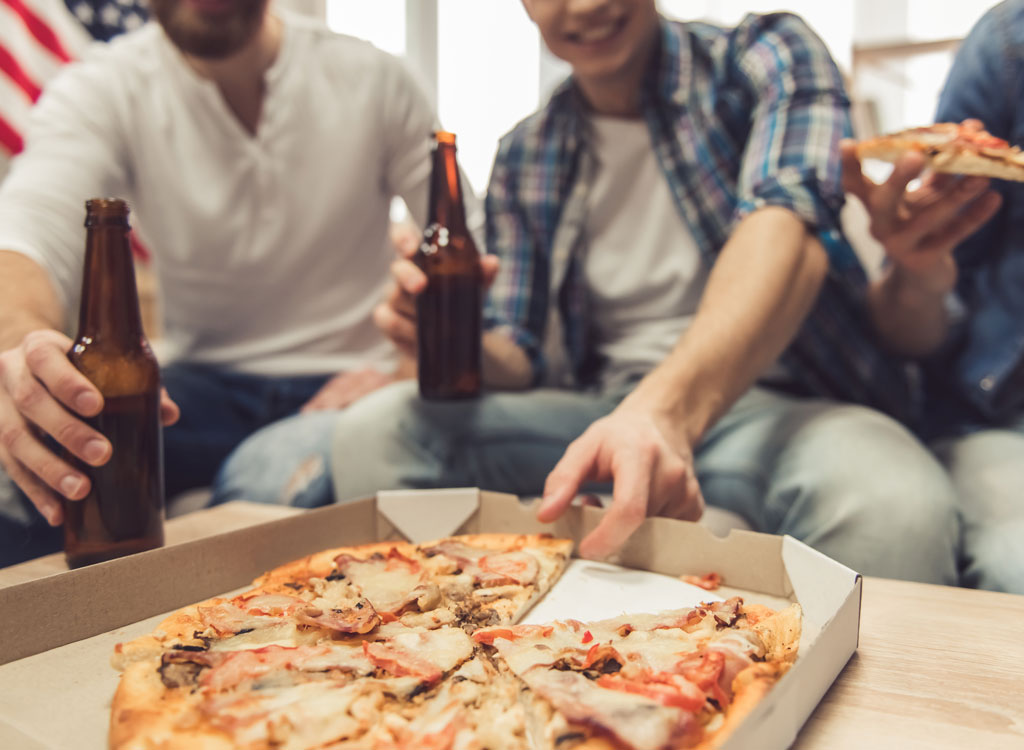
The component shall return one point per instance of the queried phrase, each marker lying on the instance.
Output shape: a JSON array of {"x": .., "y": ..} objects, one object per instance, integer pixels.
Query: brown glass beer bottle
[
  {"x": 449, "y": 309},
  {"x": 123, "y": 512}
]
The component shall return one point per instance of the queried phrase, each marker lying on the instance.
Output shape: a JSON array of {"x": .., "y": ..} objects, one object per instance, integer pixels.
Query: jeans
[
  {"x": 844, "y": 479},
  {"x": 218, "y": 411},
  {"x": 987, "y": 469}
]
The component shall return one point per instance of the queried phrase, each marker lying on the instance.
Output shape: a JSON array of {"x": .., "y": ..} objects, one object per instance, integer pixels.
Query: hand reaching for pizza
[
  {"x": 651, "y": 475},
  {"x": 920, "y": 228}
]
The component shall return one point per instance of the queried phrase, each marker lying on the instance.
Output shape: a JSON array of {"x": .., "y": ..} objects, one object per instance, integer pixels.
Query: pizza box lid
[{"x": 57, "y": 633}]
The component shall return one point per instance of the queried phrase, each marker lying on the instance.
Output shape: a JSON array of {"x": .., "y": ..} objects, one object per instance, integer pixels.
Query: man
[
  {"x": 953, "y": 297},
  {"x": 259, "y": 153},
  {"x": 661, "y": 227}
]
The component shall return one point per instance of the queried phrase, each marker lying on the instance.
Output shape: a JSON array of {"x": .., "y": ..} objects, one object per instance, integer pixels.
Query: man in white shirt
[{"x": 259, "y": 153}]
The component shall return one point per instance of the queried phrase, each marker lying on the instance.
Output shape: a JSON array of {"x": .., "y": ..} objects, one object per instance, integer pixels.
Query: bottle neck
[
  {"x": 110, "y": 302},
  {"x": 446, "y": 207}
]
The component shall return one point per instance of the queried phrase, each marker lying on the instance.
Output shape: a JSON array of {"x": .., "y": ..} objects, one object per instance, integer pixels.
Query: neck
[
  {"x": 618, "y": 94},
  {"x": 240, "y": 77}
]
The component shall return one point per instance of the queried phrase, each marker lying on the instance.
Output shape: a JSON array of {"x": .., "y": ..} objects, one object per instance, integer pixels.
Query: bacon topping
[
  {"x": 359, "y": 618},
  {"x": 489, "y": 635},
  {"x": 240, "y": 666},
  {"x": 401, "y": 663},
  {"x": 666, "y": 689}
]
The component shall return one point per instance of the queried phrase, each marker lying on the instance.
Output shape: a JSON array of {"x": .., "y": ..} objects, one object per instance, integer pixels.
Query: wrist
[
  {"x": 681, "y": 418},
  {"x": 915, "y": 289}
]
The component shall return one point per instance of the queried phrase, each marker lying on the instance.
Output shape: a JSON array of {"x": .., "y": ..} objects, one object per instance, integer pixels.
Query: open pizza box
[{"x": 57, "y": 633}]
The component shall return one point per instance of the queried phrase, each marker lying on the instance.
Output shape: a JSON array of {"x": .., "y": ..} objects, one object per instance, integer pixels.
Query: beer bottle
[
  {"x": 123, "y": 512},
  {"x": 449, "y": 309}
]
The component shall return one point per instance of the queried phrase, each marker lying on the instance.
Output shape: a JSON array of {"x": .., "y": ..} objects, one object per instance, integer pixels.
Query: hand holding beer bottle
[
  {"x": 48, "y": 442},
  {"x": 434, "y": 312},
  {"x": 123, "y": 512}
]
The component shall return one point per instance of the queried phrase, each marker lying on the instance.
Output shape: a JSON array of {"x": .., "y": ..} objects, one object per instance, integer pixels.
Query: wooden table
[{"x": 938, "y": 667}]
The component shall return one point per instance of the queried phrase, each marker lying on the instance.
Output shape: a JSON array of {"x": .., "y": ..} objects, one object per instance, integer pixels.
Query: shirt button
[{"x": 987, "y": 383}]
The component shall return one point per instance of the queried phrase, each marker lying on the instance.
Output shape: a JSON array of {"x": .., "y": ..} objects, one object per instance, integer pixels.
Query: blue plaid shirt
[{"x": 739, "y": 119}]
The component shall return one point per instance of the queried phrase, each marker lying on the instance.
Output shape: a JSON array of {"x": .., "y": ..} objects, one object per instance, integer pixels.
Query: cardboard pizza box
[{"x": 57, "y": 633}]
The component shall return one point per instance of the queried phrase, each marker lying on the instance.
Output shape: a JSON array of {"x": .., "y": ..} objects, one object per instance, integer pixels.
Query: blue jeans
[
  {"x": 844, "y": 479},
  {"x": 218, "y": 411},
  {"x": 987, "y": 469}
]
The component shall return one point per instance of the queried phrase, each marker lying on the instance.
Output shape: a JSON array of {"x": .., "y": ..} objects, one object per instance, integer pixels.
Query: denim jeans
[
  {"x": 218, "y": 411},
  {"x": 844, "y": 479},
  {"x": 987, "y": 468}
]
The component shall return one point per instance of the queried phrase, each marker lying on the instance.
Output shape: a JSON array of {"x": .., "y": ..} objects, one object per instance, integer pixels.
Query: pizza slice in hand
[{"x": 956, "y": 148}]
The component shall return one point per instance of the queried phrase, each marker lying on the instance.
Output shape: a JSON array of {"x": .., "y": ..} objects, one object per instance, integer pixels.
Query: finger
[
  {"x": 887, "y": 200},
  {"x": 28, "y": 454},
  {"x": 169, "y": 411},
  {"x": 406, "y": 241},
  {"x": 935, "y": 220},
  {"x": 28, "y": 401},
  {"x": 47, "y": 361},
  {"x": 688, "y": 504},
  {"x": 630, "y": 497},
  {"x": 409, "y": 276},
  {"x": 967, "y": 222},
  {"x": 854, "y": 181},
  {"x": 41, "y": 496},
  {"x": 575, "y": 467},
  {"x": 489, "y": 269},
  {"x": 403, "y": 304},
  {"x": 399, "y": 329}
]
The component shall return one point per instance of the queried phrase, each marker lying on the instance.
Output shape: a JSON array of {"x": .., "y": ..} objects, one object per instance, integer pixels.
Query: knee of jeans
[
  {"x": 995, "y": 556},
  {"x": 285, "y": 464},
  {"x": 884, "y": 471}
]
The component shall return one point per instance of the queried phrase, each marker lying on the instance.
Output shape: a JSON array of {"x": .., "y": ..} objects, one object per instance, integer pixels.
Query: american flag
[{"x": 36, "y": 38}]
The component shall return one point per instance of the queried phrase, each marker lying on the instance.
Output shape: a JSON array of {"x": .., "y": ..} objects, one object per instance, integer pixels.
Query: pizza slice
[
  {"x": 492, "y": 579},
  {"x": 680, "y": 679},
  {"x": 957, "y": 148},
  {"x": 280, "y": 696}
]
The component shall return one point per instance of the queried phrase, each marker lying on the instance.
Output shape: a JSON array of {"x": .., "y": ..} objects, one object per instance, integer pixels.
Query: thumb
[{"x": 853, "y": 175}]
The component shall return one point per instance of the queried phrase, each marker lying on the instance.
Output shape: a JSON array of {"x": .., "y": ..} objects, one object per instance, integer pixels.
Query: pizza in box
[{"x": 394, "y": 645}]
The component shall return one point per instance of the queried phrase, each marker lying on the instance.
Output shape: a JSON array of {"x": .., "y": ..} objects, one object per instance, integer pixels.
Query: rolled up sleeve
[{"x": 792, "y": 154}]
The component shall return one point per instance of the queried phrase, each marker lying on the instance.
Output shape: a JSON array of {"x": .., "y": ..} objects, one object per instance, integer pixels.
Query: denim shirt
[
  {"x": 739, "y": 118},
  {"x": 975, "y": 381}
]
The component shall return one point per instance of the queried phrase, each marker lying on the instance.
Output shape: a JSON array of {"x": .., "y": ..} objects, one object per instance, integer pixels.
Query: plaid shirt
[{"x": 739, "y": 119}]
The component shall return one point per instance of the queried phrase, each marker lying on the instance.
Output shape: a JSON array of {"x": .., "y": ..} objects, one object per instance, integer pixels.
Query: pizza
[
  {"x": 964, "y": 148},
  {"x": 392, "y": 645}
]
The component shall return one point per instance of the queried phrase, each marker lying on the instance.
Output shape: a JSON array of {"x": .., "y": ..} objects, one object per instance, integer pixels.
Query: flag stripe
[
  {"x": 37, "y": 28},
  {"x": 16, "y": 73},
  {"x": 10, "y": 141}
]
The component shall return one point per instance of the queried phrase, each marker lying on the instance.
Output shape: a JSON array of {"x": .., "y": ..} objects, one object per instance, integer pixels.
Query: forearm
[
  {"x": 763, "y": 284},
  {"x": 505, "y": 365},
  {"x": 910, "y": 319},
  {"x": 28, "y": 301}
]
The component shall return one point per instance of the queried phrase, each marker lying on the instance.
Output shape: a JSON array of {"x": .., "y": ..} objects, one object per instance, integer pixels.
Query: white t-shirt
[
  {"x": 643, "y": 268},
  {"x": 270, "y": 250}
]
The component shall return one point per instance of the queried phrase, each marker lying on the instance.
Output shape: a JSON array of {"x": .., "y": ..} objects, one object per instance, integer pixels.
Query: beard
[{"x": 211, "y": 36}]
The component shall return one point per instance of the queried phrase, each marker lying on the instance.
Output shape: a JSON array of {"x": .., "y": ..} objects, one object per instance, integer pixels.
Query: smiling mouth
[{"x": 597, "y": 33}]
